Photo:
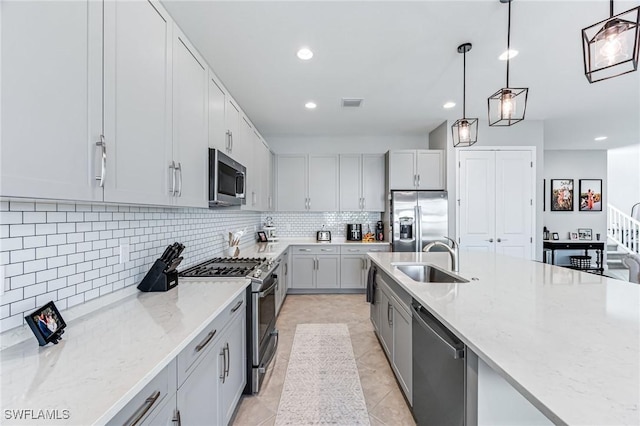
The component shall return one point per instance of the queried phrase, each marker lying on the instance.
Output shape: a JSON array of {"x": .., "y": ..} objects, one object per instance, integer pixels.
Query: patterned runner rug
[{"x": 322, "y": 385}]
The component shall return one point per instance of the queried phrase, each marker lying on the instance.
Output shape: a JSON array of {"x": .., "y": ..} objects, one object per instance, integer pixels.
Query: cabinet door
[
  {"x": 328, "y": 271},
  {"x": 303, "y": 271},
  {"x": 351, "y": 183},
  {"x": 352, "y": 271},
  {"x": 251, "y": 161},
  {"x": 137, "y": 100},
  {"x": 51, "y": 99},
  {"x": 402, "y": 350},
  {"x": 165, "y": 415},
  {"x": 232, "y": 118},
  {"x": 430, "y": 169},
  {"x": 323, "y": 183},
  {"x": 244, "y": 146},
  {"x": 189, "y": 124},
  {"x": 374, "y": 310},
  {"x": 217, "y": 127},
  {"x": 385, "y": 329},
  {"x": 235, "y": 371},
  {"x": 268, "y": 178},
  {"x": 197, "y": 398},
  {"x": 373, "y": 174},
  {"x": 291, "y": 183},
  {"x": 402, "y": 174}
]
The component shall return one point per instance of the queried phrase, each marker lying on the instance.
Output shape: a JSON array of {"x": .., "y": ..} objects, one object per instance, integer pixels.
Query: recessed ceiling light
[
  {"x": 508, "y": 54},
  {"x": 305, "y": 54},
  {"x": 600, "y": 138},
  {"x": 310, "y": 105},
  {"x": 449, "y": 105}
]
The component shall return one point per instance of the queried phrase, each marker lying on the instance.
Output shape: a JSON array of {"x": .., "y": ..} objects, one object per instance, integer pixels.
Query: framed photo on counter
[
  {"x": 262, "y": 237},
  {"x": 584, "y": 234}
]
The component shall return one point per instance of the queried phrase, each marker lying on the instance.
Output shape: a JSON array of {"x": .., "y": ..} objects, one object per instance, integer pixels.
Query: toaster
[{"x": 323, "y": 235}]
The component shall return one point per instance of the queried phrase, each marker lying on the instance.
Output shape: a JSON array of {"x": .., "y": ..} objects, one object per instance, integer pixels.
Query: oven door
[{"x": 264, "y": 318}]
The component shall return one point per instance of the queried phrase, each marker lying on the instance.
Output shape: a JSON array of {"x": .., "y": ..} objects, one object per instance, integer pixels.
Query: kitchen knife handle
[{"x": 103, "y": 161}]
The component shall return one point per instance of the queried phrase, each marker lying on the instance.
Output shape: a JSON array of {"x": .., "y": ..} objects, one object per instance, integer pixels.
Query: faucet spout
[{"x": 453, "y": 252}]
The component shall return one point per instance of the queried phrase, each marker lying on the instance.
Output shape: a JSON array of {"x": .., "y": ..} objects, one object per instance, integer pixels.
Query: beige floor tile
[{"x": 383, "y": 397}]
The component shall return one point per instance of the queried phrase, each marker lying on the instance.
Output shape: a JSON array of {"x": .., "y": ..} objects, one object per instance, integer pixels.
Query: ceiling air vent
[{"x": 351, "y": 102}]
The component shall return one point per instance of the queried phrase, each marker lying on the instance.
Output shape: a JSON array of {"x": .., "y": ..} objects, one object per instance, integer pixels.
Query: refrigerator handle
[{"x": 418, "y": 233}]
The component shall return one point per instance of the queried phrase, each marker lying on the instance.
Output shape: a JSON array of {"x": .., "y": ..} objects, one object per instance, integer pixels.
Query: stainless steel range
[{"x": 262, "y": 336}]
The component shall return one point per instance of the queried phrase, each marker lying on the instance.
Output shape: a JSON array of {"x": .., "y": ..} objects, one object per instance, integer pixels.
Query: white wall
[
  {"x": 576, "y": 165},
  {"x": 623, "y": 172},
  {"x": 345, "y": 144}
]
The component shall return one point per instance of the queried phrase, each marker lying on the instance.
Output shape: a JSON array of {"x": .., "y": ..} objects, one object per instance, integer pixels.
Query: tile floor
[{"x": 385, "y": 402}]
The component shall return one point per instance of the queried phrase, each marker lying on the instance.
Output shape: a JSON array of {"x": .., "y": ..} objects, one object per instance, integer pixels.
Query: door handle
[
  {"x": 223, "y": 354},
  {"x": 418, "y": 180},
  {"x": 490, "y": 240},
  {"x": 179, "y": 170},
  {"x": 500, "y": 240},
  {"x": 389, "y": 311},
  {"x": 172, "y": 168},
  {"x": 103, "y": 161}
]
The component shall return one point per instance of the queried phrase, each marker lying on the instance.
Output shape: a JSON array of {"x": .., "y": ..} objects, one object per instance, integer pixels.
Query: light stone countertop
[
  {"x": 275, "y": 249},
  {"x": 105, "y": 358},
  {"x": 569, "y": 341}
]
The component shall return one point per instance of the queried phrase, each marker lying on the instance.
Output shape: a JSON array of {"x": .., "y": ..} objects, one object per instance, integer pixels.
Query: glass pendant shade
[
  {"x": 508, "y": 105},
  {"x": 610, "y": 47},
  {"x": 464, "y": 132}
]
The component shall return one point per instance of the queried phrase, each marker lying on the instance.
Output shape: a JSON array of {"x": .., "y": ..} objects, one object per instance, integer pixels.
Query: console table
[{"x": 598, "y": 246}]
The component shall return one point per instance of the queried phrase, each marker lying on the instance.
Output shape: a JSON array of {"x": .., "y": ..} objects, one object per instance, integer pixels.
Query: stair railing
[{"x": 623, "y": 230}]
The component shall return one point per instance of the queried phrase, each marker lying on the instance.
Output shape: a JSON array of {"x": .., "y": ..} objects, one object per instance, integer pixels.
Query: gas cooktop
[{"x": 228, "y": 267}]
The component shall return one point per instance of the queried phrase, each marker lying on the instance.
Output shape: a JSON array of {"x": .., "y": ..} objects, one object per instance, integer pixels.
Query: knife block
[{"x": 158, "y": 279}]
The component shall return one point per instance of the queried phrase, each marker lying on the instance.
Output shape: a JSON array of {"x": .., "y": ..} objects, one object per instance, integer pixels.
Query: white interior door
[
  {"x": 514, "y": 203},
  {"x": 477, "y": 200}
]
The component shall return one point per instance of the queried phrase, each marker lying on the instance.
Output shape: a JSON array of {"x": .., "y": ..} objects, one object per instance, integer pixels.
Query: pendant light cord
[
  {"x": 464, "y": 84},
  {"x": 509, "y": 41},
  {"x": 611, "y": 8}
]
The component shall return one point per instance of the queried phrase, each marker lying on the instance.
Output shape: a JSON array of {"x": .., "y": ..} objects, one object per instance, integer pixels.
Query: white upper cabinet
[
  {"x": 291, "y": 182},
  {"x": 138, "y": 98},
  {"x": 252, "y": 163},
  {"x": 218, "y": 138},
  {"x": 323, "y": 183},
  {"x": 416, "y": 169},
  {"x": 189, "y": 124},
  {"x": 362, "y": 182},
  {"x": 232, "y": 120},
  {"x": 51, "y": 99}
]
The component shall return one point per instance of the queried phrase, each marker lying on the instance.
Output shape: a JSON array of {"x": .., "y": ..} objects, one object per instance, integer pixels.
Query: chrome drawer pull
[
  {"x": 235, "y": 308},
  {"x": 143, "y": 409},
  {"x": 206, "y": 340}
]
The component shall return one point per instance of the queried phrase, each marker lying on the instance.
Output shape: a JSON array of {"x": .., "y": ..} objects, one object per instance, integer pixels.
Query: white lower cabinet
[
  {"x": 203, "y": 384},
  {"x": 393, "y": 316},
  {"x": 283, "y": 280},
  {"x": 315, "y": 267},
  {"x": 354, "y": 264}
]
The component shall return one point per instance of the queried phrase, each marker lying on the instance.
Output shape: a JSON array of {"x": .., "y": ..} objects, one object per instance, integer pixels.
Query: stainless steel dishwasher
[{"x": 438, "y": 371}]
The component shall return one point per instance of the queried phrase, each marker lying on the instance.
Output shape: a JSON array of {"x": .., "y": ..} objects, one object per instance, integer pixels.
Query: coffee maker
[
  {"x": 379, "y": 231},
  {"x": 354, "y": 232}
]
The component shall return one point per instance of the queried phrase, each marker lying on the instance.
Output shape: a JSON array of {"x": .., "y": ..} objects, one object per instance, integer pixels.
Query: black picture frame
[
  {"x": 555, "y": 236},
  {"x": 561, "y": 195},
  {"x": 590, "y": 195},
  {"x": 262, "y": 237},
  {"x": 47, "y": 324}
]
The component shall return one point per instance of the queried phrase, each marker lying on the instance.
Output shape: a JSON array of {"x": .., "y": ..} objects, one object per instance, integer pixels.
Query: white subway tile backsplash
[
  {"x": 11, "y": 322},
  {"x": 23, "y": 305},
  {"x": 5, "y": 311},
  {"x": 74, "y": 257},
  {"x": 23, "y": 255},
  {"x": 22, "y": 230}
]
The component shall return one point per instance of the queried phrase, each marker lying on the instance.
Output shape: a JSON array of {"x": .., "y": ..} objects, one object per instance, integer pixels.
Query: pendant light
[
  {"x": 464, "y": 130},
  {"x": 610, "y": 47},
  {"x": 508, "y": 105}
]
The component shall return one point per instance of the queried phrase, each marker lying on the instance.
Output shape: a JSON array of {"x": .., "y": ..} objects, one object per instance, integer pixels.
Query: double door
[
  {"x": 362, "y": 182},
  {"x": 496, "y": 201},
  {"x": 307, "y": 182},
  {"x": 421, "y": 169}
]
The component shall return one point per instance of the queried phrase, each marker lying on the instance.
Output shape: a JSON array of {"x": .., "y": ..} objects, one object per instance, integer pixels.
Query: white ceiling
[{"x": 401, "y": 57}]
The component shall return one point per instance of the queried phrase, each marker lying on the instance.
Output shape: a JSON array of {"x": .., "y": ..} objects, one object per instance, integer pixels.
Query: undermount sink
[{"x": 425, "y": 273}]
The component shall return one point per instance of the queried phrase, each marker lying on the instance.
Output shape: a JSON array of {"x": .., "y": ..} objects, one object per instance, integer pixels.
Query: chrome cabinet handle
[
  {"x": 172, "y": 168},
  {"x": 389, "y": 320},
  {"x": 235, "y": 308},
  {"x": 303, "y": 249},
  {"x": 228, "y": 141},
  {"x": 353, "y": 250},
  {"x": 223, "y": 354},
  {"x": 364, "y": 203},
  {"x": 418, "y": 180},
  {"x": 143, "y": 409},
  {"x": 364, "y": 264},
  {"x": 206, "y": 340},
  {"x": 309, "y": 203},
  {"x": 326, "y": 249},
  {"x": 179, "y": 169},
  {"x": 176, "y": 418},
  {"x": 286, "y": 269},
  {"x": 227, "y": 358},
  {"x": 103, "y": 161}
]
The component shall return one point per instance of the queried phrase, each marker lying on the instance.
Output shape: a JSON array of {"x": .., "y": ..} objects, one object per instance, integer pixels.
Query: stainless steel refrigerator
[{"x": 418, "y": 218}]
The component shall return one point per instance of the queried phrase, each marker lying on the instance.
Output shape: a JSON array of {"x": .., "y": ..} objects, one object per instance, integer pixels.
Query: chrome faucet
[{"x": 453, "y": 251}]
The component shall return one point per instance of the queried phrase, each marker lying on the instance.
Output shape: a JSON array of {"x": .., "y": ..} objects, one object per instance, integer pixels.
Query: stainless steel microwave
[{"x": 226, "y": 180}]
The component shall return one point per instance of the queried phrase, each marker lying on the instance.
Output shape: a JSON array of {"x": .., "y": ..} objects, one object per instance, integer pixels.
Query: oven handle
[
  {"x": 262, "y": 294},
  {"x": 263, "y": 367}
]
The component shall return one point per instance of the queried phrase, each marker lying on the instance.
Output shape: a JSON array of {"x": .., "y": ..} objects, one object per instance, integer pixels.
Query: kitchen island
[{"x": 568, "y": 341}]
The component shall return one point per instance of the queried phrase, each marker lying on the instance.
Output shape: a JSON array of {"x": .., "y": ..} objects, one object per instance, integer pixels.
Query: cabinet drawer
[
  {"x": 364, "y": 248},
  {"x": 148, "y": 399},
  {"x": 318, "y": 249},
  {"x": 207, "y": 337}
]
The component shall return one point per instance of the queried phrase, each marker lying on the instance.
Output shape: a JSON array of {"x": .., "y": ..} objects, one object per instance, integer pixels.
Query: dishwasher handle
[{"x": 425, "y": 320}]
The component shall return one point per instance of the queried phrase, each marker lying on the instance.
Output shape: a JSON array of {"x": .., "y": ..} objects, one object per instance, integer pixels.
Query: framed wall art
[
  {"x": 590, "y": 195},
  {"x": 561, "y": 195}
]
